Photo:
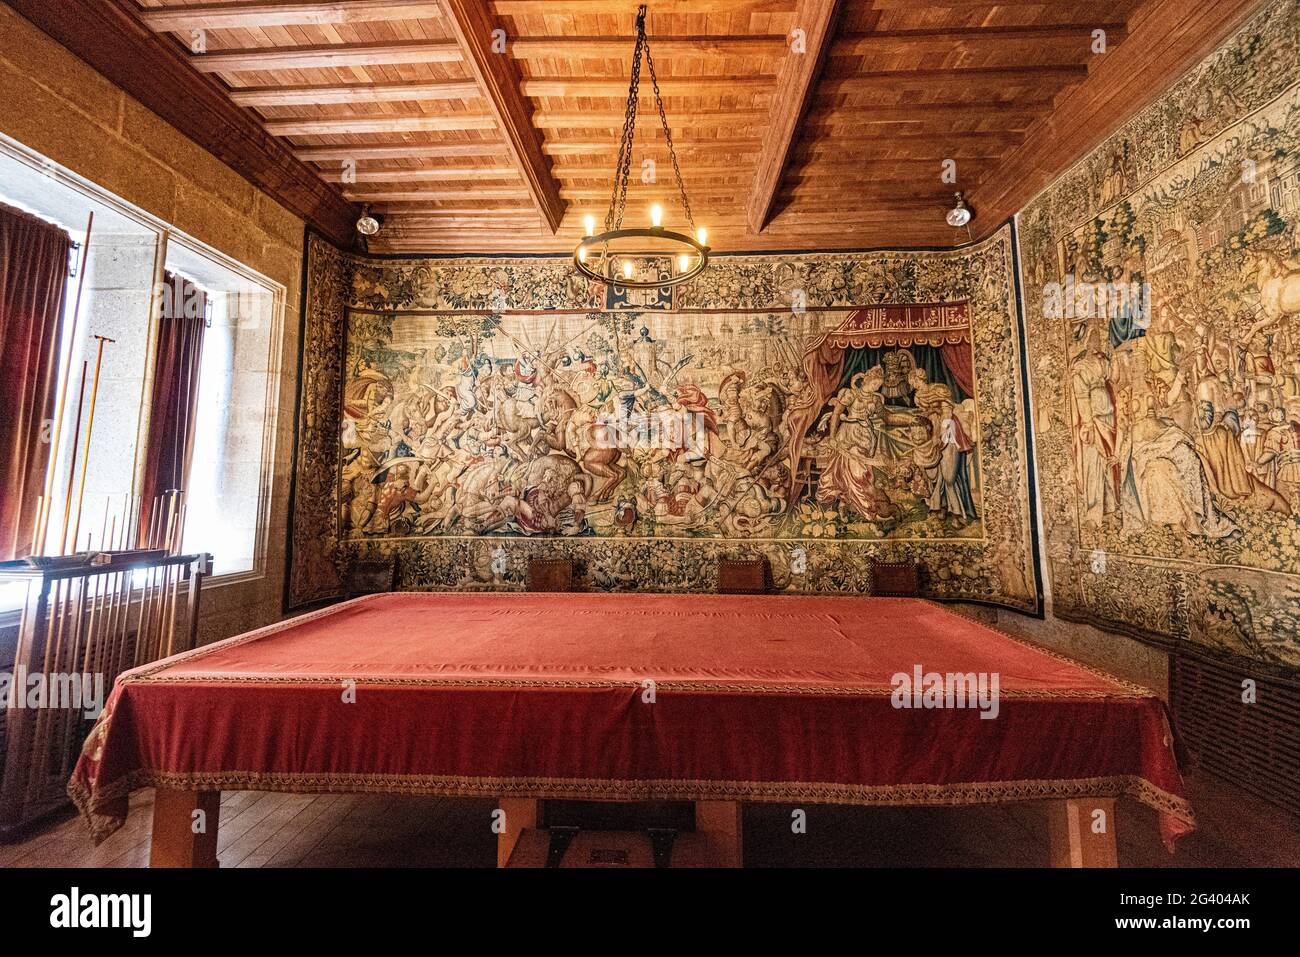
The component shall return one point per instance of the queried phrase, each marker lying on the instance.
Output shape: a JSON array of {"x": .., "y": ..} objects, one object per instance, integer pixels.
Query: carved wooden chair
[
  {"x": 744, "y": 576},
  {"x": 550, "y": 574},
  {"x": 895, "y": 579},
  {"x": 370, "y": 577}
]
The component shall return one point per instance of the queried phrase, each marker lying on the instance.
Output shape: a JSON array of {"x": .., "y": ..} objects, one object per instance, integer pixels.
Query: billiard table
[{"x": 713, "y": 699}]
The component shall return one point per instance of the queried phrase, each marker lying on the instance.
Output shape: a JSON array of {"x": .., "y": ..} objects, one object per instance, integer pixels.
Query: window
[
  {"x": 233, "y": 437},
  {"x": 231, "y": 451}
]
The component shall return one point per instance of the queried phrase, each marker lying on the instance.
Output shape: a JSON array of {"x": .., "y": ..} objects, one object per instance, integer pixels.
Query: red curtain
[
  {"x": 173, "y": 409},
  {"x": 33, "y": 277},
  {"x": 958, "y": 357}
]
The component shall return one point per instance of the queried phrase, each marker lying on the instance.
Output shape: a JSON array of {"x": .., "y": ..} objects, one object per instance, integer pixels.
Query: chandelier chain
[
  {"x": 623, "y": 168},
  {"x": 681, "y": 268},
  {"x": 668, "y": 138}
]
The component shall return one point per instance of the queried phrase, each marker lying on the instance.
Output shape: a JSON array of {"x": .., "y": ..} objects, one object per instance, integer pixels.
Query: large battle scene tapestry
[
  {"x": 1162, "y": 297},
  {"x": 816, "y": 410}
]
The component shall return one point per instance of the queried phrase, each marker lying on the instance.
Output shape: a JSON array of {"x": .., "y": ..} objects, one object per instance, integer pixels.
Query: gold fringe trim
[{"x": 593, "y": 789}]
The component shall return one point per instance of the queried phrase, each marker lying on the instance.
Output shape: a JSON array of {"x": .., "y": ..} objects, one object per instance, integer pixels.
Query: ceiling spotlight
[
  {"x": 368, "y": 224},
  {"x": 960, "y": 214}
]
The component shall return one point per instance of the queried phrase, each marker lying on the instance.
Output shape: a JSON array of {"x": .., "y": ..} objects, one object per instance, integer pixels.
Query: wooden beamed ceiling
[{"x": 493, "y": 126}]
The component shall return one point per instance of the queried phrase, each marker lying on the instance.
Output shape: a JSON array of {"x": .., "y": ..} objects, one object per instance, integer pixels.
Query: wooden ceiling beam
[
  {"x": 615, "y": 88},
  {"x": 413, "y": 205},
  {"x": 1053, "y": 76},
  {"x": 498, "y": 79},
  {"x": 860, "y": 113},
  {"x": 614, "y": 48},
  {"x": 436, "y": 219},
  {"x": 356, "y": 93},
  {"x": 398, "y": 151},
  {"x": 330, "y": 56},
  {"x": 794, "y": 93},
  {"x": 382, "y": 195},
  {"x": 950, "y": 142},
  {"x": 413, "y": 176},
  {"x": 361, "y": 125},
  {"x": 603, "y": 148},
  {"x": 946, "y": 110},
  {"x": 664, "y": 193},
  {"x": 1101, "y": 7},
  {"x": 660, "y": 7},
  {"x": 234, "y": 16},
  {"x": 980, "y": 38},
  {"x": 547, "y": 119},
  {"x": 885, "y": 153}
]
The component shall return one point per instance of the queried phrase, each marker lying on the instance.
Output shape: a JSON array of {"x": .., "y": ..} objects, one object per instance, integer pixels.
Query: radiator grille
[{"x": 1254, "y": 746}]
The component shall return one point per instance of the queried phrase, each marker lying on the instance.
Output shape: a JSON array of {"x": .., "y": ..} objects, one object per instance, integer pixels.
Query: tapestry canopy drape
[{"x": 937, "y": 336}]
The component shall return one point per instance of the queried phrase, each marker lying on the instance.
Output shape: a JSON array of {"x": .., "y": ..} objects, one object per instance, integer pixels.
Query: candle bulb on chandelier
[
  {"x": 627, "y": 269},
  {"x": 684, "y": 263},
  {"x": 582, "y": 254},
  {"x": 590, "y": 223},
  {"x": 656, "y": 216},
  {"x": 702, "y": 235}
]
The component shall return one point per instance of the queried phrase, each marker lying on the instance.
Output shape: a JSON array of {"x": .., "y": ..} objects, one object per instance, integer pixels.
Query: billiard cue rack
[{"x": 85, "y": 619}]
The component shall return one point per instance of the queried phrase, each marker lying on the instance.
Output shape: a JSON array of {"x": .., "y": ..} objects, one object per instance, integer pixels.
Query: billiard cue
[
  {"x": 36, "y": 528},
  {"x": 164, "y": 573},
  {"x": 139, "y": 621},
  {"x": 98, "y": 615},
  {"x": 165, "y": 577},
  {"x": 53, "y": 663},
  {"x": 168, "y": 527},
  {"x": 122, "y": 580},
  {"x": 169, "y": 603},
  {"x": 128, "y": 522},
  {"x": 180, "y": 528},
  {"x": 122, "y": 617},
  {"x": 151, "y": 591},
  {"x": 106, "y": 624},
  {"x": 57, "y": 436},
  {"x": 42, "y": 520},
  {"x": 72, "y": 470},
  {"x": 96, "y": 598},
  {"x": 153, "y": 522},
  {"x": 103, "y": 528},
  {"x": 90, "y": 431},
  {"x": 174, "y": 571}
]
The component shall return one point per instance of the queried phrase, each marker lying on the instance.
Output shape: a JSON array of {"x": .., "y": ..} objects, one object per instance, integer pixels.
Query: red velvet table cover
[{"x": 646, "y": 696}]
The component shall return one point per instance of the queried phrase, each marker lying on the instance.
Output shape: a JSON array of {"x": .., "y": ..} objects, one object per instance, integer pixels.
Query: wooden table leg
[
  {"x": 720, "y": 823},
  {"x": 520, "y": 814},
  {"x": 184, "y": 828},
  {"x": 1082, "y": 832}
]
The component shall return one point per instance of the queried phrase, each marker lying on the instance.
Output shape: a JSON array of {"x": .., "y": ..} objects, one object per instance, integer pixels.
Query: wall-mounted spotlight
[
  {"x": 368, "y": 224},
  {"x": 960, "y": 214}
]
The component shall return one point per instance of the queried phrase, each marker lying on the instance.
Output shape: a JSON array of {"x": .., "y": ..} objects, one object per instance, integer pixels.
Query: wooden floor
[{"x": 345, "y": 830}]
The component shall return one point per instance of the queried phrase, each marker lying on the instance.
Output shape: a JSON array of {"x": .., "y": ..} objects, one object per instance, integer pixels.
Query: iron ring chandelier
[{"x": 609, "y": 256}]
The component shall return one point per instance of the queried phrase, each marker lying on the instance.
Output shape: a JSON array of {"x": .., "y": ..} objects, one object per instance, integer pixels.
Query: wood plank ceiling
[{"x": 412, "y": 106}]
